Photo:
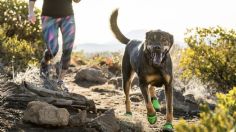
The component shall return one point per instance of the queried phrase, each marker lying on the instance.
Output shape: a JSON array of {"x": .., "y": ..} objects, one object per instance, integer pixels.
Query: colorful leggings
[{"x": 50, "y": 27}]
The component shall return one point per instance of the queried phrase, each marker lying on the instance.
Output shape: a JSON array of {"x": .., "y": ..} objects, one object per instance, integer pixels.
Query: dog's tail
[{"x": 115, "y": 29}]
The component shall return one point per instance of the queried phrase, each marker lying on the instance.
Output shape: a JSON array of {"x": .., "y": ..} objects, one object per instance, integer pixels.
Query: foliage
[
  {"x": 17, "y": 52},
  {"x": 222, "y": 119},
  {"x": 111, "y": 61},
  {"x": 18, "y": 38},
  {"x": 13, "y": 16},
  {"x": 211, "y": 56}
]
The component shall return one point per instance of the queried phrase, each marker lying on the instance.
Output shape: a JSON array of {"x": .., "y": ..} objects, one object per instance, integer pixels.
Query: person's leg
[
  {"x": 68, "y": 35},
  {"x": 50, "y": 35}
]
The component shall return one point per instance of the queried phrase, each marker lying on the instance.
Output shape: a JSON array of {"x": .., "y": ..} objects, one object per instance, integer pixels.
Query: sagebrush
[{"x": 211, "y": 56}]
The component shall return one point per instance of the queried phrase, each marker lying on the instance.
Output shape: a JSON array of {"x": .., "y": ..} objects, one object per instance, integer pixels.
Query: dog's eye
[
  {"x": 163, "y": 39},
  {"x": 149, "y": 47}
]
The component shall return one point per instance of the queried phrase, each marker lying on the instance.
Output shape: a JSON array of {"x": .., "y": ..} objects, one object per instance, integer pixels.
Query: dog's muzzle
[
  {"x": 156, "y": 58},
  {"x": 155, "y": 55}
]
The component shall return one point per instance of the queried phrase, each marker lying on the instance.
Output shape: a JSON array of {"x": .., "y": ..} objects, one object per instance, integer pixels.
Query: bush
[
  {"x": 14, "y": 19},
  {"x": 110, "y": 60},
  {"x": 21, "y": 52},
  {"x": 222, "y": 119},
  {"x": 107, "y": 60},
  {"x": 18, "y": 38},
  {"x": 211, "y": 56}
]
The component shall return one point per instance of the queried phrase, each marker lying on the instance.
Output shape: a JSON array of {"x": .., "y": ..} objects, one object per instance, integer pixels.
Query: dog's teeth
[{"x": 154, "y": 55}]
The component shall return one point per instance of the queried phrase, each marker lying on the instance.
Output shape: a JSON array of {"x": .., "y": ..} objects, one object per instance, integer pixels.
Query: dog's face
[{"x": 156, "y": 44}]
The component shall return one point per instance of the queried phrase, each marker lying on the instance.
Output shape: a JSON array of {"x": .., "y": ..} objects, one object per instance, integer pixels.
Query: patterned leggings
[{"x": 50, "y": 27}]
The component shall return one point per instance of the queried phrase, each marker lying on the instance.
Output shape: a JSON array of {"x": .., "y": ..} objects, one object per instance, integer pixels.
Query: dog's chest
[
  {"x": 158, "y": 80},
  {"x": 153, "y": 78}
]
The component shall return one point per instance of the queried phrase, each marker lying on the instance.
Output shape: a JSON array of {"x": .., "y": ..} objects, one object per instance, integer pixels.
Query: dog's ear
[
  {"x": 171, "y": 39},
  {"x": 145, "y": 46},
  {"x": 148, "y": 35},
  {"x": 145, "y": 42}
]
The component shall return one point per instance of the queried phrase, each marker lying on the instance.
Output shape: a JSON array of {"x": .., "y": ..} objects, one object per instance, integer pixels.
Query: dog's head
[{"x": 156, "y": 45}]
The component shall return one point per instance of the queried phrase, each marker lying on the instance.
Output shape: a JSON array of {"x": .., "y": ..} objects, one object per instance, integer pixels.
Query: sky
[{"x": 173, "y": 16}]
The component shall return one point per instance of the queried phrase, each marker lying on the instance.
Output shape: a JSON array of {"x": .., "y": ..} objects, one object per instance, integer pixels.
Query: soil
[{"x": 105, "y": 97}]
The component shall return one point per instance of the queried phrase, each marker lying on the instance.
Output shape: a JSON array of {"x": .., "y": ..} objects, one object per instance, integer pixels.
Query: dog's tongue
[{"x": 157, "y": 58}]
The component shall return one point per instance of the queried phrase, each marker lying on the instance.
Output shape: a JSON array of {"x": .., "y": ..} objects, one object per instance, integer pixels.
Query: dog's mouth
[
  {"x": 155, "y": 55},
  {"x": 156, "y": 58}
]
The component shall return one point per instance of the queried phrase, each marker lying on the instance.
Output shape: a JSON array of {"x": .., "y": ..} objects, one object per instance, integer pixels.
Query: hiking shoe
[
  {"x": 62, "y": 85},
  {"x": 58, "y": 69},
  {"x": 44, "y": 69}
]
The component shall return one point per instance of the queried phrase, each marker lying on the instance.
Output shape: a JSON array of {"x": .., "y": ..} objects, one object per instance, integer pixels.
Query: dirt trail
[
  {"x": 105, "y": 97},
  {"x": 114, "y": 99}
]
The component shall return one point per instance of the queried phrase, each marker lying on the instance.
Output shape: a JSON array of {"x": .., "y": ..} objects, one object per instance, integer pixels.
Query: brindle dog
[{"x": 152, "y": 63}]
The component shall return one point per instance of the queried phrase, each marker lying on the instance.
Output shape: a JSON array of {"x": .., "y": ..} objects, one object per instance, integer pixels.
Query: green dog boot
[
  {"x": 128, "y": 114},
  {"x": 168, "y": 127},
  {"x": 156, "y": 104},
  {"x": 152, "y": 119}
]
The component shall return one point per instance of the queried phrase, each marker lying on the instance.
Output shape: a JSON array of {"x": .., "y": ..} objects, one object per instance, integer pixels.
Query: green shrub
[
  {"x": 222, "y": 119},
  {"x": 107, "y": 60},
  {"x": 18, "y": 38},
  {"x": 211, "y": 56},
  {"x": 14, "y": 19},
  {"x": 110, "y": 60},
  {"x": 21, "y": 52}
]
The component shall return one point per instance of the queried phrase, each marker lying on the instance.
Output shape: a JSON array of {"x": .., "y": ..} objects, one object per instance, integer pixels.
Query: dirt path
[
  {"x": 108, "y": 97},
  {"x": 105, "y": 97}
]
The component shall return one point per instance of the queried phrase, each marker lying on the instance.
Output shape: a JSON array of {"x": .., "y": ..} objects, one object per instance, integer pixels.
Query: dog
[{"x": 151, "y": 61}]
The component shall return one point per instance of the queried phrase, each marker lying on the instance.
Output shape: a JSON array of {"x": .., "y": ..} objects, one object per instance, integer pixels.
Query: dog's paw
[
  {"x": 152, "y": 119},
  {"x": 128, "y": 114},
  {"x": 168, "y": 127},
  {"x": 156, "y": 104}
]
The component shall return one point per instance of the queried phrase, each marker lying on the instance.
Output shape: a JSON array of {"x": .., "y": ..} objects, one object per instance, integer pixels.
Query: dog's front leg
[
  {"x": 154, "y": 99},
  {"x": 169, "y": 100},
  {"x": 151, "y": 113},
  {"x": 169, "y": 108}
]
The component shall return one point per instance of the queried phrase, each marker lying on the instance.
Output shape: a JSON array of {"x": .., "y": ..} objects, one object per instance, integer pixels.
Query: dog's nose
[{"x": 157, "y": 47}]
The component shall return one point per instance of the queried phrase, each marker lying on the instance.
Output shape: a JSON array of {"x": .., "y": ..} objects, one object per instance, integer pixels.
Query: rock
[
  {"x": 190, "y": 98},
  {"x": 78, "y": 119},
  {"x": 107, "y": 122},
  {"x": 116, "y": 81},
  {"x": 46, "y": 114},
  {"x": 181, "y": 105},
  {"x": 54, "y": 116},
  {"x": 72, "y": 70},
  {"x": 136, "y": 97},
  {"x": 1, "y": 64},
  {"x": 91, "y": 75},
  {"x": 106, "y": 88},
  {"x": 32, "y": 111}
]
